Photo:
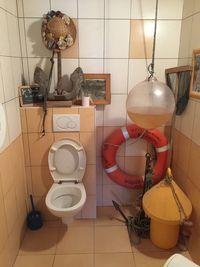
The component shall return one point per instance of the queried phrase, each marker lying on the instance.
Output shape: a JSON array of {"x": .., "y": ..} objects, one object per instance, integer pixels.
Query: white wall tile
[
  {"x": 195, "y": 37},
  {"x": 6, "y": 141},
  {"x": 113, "y": 115},
  {"x": 184, "y": 61},
  {"x": 22, "y": 37},
  {"x": 13, "y": 33},
  {"x": 11, "y": 6},
  {"x": 68, "y": 66},
  {"x": 36, "y": 8},
  {"x": 107, "y": 180},
  {"x": 7, "y": 76},
  {"x": 112, "y": 192},
  {"x": 91, "y": 65},
  {"x": 99, "y": 115},
  {"x": 2, "y": 99},
  {"x": 91, "y": 8},
  {"x": 89, "y": 209},
  {"x": 99, "y": 195},
  {"x": 99, "y": 170},
  {"x": 187, "y": 119},
  {"x": 20, "y": 8},
  {"x": 118, "y": 68},
  {"x": 188, "y": 8},
  {"x": 143, "y": 9},
  {"x": 135, "y": 147},
  {"x": 165, "y": 47},
  {"x": 35, "y": 46},
  {"x": 25, "y": 70},
  {"x": 117, "y": 38},
  {"x": 3, "y": 3},
  {"x": 130, "y": 195},
  {"x": 161, "y": 65},
  {"x": 117, "y": 9},
  {"x": 13, "y": 116},
  {"x": 196, "y": 6},
  {"x": 4, "y": 44},
  {"x": 137, "y": 72},
  {"x": 17, "y": 73},
  {"x": 186, "y": 29},
  {"x": 171, "y": 9},
  {"x": 67, "y": 7},
  {"x": 91, "y": 38}
]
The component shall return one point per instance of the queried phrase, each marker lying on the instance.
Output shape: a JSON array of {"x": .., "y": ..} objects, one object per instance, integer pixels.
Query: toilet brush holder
[{"x": 34, "y": 219}]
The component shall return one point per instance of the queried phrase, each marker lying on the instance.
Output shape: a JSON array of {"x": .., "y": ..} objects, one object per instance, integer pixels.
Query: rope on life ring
[{"x": 111, "y": 145}]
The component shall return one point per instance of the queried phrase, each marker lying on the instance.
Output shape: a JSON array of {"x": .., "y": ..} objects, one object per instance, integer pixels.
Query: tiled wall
[
  {"x": 109, "y": 39},
  {"x": 189, "y": 31},
  {"x": 36, "y": 149},
  {"x": 12, "y": 201},
  {"x": 10, "y": 67},
  {"x": 12, "y": 172},
  {"x": 187, "y": 133}
]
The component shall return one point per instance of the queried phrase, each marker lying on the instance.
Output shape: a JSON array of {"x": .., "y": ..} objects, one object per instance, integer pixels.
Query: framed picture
[
  {"x": 97, "y": 86},
  {"x": 172, "y": 76},
  {"x": 178, "y": 79},
  {"x": 195, "y": 81},
  {"x": 30, "y": 96}
]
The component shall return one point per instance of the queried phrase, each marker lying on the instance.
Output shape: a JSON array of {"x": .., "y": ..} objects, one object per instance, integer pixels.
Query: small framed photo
[
  {"x": 30, "y": 95},
  {"x": 97, "y": 86},
  {"x": 195, "y": 81},
  {"x": 178, "y": 80}
]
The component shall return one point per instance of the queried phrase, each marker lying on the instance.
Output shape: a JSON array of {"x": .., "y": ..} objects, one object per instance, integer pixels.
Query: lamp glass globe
[{"x": 150, "y": 104}]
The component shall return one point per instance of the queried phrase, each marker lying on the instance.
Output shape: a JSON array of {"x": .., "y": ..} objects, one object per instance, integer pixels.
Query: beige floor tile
[
  {"x": 57, "y": 223},
  {"x": 32, "y": 261},
  {"x": 186, "y": 254},
  {"x": 42, "y": 241},
  {"x": 111, "y": 239},
  {"x": 144, "y": 246},
  {"x": 151, "y": 259},
  {"x": 83, "y": 222},
  {"x": 108, "y": 216},
  {"x": 114, "y": 260},
  {"x": 77, "y": 260},
  {"x": 78, "y": 239}
]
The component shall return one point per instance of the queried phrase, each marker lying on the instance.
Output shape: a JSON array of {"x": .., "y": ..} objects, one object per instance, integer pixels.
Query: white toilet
[
  {"x": 178, "y": 260},
  {"x": 67, "y": 164}
]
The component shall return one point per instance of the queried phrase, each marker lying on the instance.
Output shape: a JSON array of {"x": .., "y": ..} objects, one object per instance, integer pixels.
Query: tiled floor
[{"x": 103, "y": 242}]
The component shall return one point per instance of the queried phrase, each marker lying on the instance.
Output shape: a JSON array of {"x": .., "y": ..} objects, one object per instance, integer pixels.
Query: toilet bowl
[
  {"x": 67, "y": 164},
  {"x": 178, "y": 260}
]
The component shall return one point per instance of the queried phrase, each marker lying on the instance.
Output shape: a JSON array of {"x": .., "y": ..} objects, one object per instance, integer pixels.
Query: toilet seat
[{"x": 67, "y": 160}]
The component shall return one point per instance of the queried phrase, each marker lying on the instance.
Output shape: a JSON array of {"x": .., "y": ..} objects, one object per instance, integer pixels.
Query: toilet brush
[{"x": 34, "y": 219}]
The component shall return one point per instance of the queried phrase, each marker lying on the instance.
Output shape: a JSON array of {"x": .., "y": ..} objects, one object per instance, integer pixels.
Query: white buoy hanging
[{"x": 150, "y": 103}]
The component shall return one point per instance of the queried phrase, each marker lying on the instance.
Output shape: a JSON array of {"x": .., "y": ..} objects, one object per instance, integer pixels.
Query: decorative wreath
[{"x": 58, "y": 31}]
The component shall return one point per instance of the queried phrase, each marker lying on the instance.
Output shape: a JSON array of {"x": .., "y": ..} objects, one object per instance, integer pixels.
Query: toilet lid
[{"x": 67, "y": 160}]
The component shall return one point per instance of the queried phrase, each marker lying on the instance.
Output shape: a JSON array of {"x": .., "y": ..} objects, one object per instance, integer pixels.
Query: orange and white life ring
[{"x": 111, "y": 145}]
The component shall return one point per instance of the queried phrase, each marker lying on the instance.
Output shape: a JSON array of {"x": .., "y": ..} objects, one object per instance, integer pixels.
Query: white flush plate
[{"x": 66, "y": 122}]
